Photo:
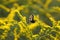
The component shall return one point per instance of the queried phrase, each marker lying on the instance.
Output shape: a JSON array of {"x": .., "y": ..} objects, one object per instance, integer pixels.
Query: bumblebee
[{"x": 31, "y": 19}]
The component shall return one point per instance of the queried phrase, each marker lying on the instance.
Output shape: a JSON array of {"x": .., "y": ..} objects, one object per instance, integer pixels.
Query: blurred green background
[{"x": 40, "y": 10}]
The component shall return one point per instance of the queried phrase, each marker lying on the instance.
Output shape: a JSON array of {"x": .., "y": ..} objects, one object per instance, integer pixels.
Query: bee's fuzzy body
[{"x": 31, "y": 19}]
